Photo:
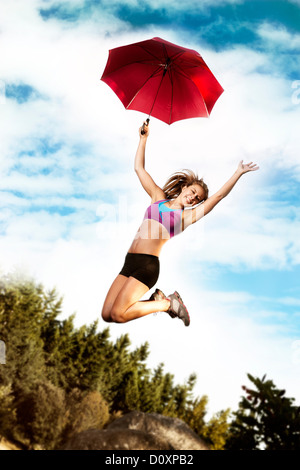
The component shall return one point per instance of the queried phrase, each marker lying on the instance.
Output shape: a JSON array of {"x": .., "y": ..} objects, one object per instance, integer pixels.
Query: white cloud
[
  {"x": 174, "y": 4},
  {"x": 36, "y": 185},
  {"x": 279, "y": 37}
]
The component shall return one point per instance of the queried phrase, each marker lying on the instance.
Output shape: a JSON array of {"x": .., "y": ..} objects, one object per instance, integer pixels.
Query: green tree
[
  {"x": 42, "y": 415},
  {"x": 183, "y": 395},
  {"x": 75, "y": 358},
  {"x": 215, "y": 431},
  {"x": 84, "y": 410},
  {"x": 8, "y": 419},
  {"x": 196, "y": 414},
  {"x": 265, "y": 419},
  {"x": 157, "y": 394},
  {"x": 21, "y": 314}
]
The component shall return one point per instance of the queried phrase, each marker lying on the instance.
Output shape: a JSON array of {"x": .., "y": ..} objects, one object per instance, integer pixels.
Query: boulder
[
  {"x": 115, "y": 439},
  {"x": 139, "y": 431}
]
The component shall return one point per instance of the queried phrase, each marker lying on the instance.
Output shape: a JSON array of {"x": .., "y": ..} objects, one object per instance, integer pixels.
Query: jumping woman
[{"x": 181, "y": 202}]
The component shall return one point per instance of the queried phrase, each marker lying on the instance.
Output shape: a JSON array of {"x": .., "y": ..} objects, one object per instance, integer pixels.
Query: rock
[
  {"x": 115, "y": 439},
  {"x": 177, "y": 433},
  {"x": 139, "y": 431},
  {"x": 7, "y": 445}
]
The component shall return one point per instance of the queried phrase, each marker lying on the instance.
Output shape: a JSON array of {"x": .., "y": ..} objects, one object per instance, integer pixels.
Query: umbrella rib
[
  {"x": 159, "y": 68},
  {"x": 175, "y": 55},
  {"x": 150, "y": 53},
  {"x": 157, "y": 93},
  {"x": 152, "y": 75},
  {"x": 166, "y": 69},
  {"x": 128, "y": 65},
  {"x": 171, "y": 108}
]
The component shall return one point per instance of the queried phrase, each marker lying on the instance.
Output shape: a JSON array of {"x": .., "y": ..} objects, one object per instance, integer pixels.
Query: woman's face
[{"x": 192, "y": 195}]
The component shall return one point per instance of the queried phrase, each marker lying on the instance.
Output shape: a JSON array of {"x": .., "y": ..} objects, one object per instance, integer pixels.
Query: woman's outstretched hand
[{"x": 245, "y": 167}]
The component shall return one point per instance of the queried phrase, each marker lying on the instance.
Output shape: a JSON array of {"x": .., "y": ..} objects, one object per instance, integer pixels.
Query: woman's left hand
[{"x": 245, "y": 167}]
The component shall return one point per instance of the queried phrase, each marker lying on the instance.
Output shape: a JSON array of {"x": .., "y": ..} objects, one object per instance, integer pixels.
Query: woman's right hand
[{"x": 145, "y": 129}]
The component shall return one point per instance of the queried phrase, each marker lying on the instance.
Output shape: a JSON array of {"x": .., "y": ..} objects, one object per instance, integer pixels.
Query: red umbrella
[{"x": 162, "y": 79}]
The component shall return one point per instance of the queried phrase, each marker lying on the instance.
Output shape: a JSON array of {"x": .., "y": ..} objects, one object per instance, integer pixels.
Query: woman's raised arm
[
  {"x": 204, "y": 208},
  {"x": 154, "y": 191}
]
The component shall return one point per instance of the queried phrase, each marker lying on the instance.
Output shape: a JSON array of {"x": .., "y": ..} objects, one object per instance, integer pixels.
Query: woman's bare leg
[
  {"x": 123, "y": 304},
  {"x": 111, "y": 296}
]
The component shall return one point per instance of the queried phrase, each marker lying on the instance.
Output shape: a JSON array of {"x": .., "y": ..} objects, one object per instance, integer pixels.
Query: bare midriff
[{"x": 150, "y": 238}]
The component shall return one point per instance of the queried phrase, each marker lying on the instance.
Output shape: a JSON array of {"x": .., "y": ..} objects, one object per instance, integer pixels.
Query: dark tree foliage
[
  {"x": 59, "y": 379},
  {"x": 44, "y": 404},
  {"x": 266, "y": 419}
]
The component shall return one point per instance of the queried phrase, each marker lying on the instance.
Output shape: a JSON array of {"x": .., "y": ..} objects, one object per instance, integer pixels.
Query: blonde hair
[{"x": 175, "y": 183}]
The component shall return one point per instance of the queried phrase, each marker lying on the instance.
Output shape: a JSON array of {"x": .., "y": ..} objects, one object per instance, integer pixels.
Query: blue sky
[{"x": 70, "y": 202}]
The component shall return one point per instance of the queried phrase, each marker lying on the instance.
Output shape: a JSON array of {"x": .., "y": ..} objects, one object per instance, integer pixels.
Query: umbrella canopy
[{"x": 162, "y": 79}]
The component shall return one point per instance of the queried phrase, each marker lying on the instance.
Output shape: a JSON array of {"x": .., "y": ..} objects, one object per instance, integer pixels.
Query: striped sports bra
[{"x": 169, "y": 218}]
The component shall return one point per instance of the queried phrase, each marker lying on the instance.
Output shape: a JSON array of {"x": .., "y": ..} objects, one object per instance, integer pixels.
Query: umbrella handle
[{"x": 147, "y": 123}]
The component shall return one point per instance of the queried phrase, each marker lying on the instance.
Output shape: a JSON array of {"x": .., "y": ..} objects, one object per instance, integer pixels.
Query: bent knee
[
  {"x": 117, "y": 316},
  {"x": 106, "y": 316},
  {"x": 112, "y": 315}
]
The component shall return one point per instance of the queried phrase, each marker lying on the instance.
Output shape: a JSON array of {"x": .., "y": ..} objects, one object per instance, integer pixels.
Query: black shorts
[{"x": 143, "y": 267}]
